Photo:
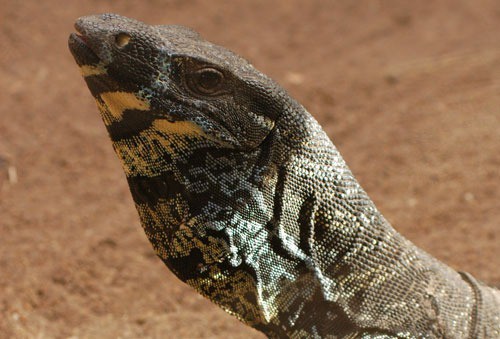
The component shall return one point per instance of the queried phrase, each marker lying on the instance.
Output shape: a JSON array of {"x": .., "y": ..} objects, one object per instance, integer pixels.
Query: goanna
[{"x": 245, "y": 198}]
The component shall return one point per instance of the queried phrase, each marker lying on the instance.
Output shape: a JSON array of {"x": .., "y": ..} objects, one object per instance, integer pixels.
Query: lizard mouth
[{"x": 79, "y": 46}]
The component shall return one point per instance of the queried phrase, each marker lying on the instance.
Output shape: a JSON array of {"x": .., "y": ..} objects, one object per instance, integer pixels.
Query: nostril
[{"x": 122, "y": 39}]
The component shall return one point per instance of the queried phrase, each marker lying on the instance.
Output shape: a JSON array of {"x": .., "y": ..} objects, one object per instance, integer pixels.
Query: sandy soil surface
[{"x": 408, "y": 91}]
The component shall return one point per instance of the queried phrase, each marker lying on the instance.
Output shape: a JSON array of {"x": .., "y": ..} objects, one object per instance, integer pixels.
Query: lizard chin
[{"x": 83, "y": 54}]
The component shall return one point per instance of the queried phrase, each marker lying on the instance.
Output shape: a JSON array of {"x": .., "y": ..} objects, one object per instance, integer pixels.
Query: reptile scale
[{"x": 245, "y": 198}]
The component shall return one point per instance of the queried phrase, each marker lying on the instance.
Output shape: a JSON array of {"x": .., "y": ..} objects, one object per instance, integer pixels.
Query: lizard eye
[
  {"x": 122, "y": 40},
  {"x": 206, "y": 81}
]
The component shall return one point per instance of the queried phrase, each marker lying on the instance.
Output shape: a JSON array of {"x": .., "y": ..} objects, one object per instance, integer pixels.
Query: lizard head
[
  {"x": 143, "y": 75},
  {"x": 193, "y": 125}
]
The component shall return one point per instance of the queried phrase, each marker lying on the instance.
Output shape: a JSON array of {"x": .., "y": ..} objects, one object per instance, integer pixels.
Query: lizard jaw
[{"x": 83, "y": 54}]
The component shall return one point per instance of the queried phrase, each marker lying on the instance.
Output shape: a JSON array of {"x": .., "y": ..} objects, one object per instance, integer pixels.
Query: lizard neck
[
  {"x": 347, "y": 255},
  {"x": 284, "y": 238}
]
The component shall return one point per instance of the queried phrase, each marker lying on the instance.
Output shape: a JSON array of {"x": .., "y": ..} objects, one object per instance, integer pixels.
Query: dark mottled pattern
[{"x": 245, "y": 198}]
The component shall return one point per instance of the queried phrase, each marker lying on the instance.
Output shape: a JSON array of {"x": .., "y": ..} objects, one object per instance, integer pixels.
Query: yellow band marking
[
  {"x": 117, "y": 102},
  {"x": 88, "y": 70},
  {"x": 178, "y": 127},
  {"x": 142, "y": 154}
]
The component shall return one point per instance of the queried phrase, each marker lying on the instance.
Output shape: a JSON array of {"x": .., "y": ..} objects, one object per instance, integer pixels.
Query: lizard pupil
[{"x": 208, "y": 80}]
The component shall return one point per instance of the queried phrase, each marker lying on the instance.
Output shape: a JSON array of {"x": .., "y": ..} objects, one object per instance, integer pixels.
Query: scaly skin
[{"x": 245, "y": 198}]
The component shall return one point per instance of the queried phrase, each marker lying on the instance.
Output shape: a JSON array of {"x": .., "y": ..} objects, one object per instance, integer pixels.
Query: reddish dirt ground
[{"x": 408, "y": 91}]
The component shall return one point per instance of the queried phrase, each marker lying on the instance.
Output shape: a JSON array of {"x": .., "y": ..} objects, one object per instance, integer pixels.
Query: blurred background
[{"x": 407, "y": 90}]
